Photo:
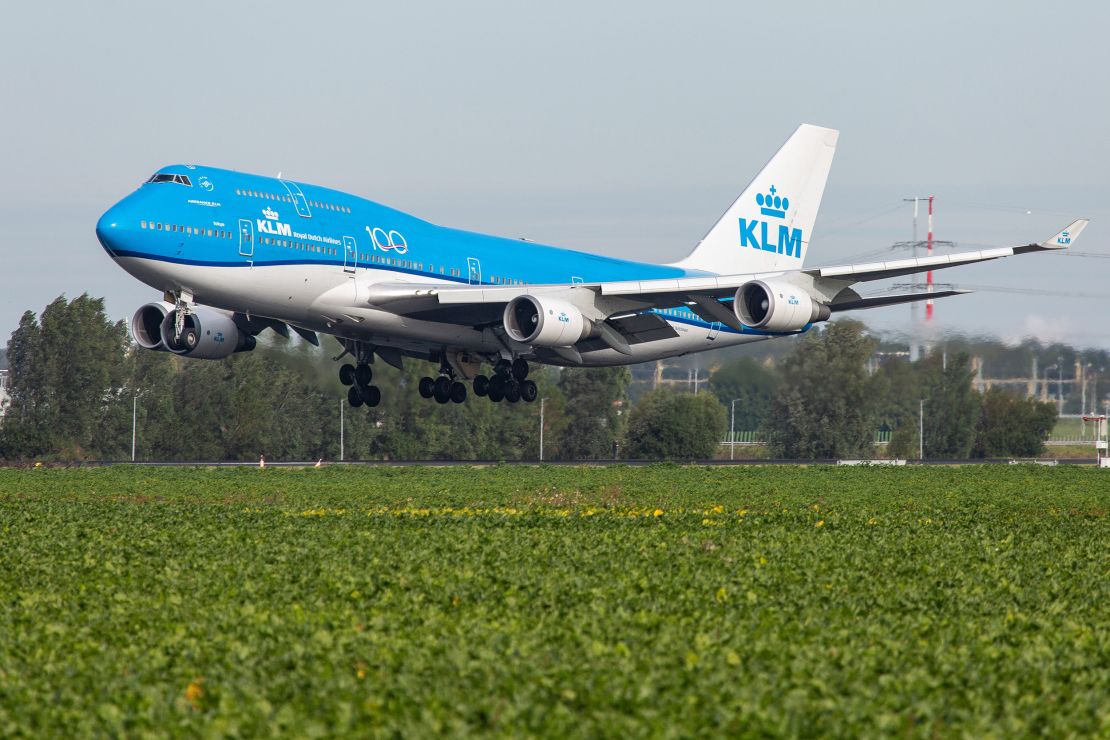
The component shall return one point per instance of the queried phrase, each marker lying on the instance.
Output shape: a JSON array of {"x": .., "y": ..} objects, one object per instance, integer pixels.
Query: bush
[{"x": 666, "y": 425}]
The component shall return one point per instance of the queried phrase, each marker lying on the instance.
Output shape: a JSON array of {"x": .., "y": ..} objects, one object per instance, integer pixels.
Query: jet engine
[
  {"x": 146, "y": 325},
  {"x": 777, "y": 306},
  {"x": 206, "y": 334},
  {"x": 545, "y": 321}
]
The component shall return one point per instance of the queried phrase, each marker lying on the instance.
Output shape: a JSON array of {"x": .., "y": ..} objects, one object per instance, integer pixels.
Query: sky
[{"x": 624, "y": 128}]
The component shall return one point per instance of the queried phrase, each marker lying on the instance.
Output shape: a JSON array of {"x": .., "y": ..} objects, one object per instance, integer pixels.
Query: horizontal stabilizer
[{"x": 855, "y": 303}]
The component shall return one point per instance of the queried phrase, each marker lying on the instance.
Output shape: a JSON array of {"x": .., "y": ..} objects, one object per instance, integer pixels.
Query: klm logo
[
  {"x": 1064, "y": 239},
  {"x": 761, "y": 234},
  {"x": 270, "y": 225}
]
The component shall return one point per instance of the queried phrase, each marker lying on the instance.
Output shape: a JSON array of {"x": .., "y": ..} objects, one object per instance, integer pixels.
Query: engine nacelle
[
  {"x": 544, "y": 321},
  {"x": 146, "y": 325},
  {"x": 777, "y": 306},
  {"x": 207, "y": 334}
]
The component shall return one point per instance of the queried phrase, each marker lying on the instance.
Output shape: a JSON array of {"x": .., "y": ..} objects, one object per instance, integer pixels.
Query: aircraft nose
[{"x": 109, "y": 227}]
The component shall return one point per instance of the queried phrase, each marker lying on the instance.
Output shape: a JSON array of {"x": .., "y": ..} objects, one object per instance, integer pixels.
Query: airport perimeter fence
[
  {"x": 551, "y": 463},
  {"x": 756, "y": 438}
]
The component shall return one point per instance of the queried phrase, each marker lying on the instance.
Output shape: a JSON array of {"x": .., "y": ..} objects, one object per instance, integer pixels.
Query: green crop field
[{"x": 555, "y": 601}]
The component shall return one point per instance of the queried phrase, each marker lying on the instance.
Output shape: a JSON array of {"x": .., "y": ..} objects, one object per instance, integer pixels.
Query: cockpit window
[{"x": 167, "y": 177}]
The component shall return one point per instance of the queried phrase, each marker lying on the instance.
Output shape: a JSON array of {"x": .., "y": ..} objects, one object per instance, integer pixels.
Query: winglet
[{"x": 1064, "y": 239}]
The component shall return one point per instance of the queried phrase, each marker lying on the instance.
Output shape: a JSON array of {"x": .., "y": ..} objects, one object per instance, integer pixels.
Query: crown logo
[
  {"x": 771, "y": 204},
  {"x": 270, "y": 213}
]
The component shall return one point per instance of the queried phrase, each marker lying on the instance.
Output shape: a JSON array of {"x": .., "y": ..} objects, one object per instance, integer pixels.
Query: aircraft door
[
  {"x": 246, "y": 237},
  {"x": 299, "y": 201},
  {"x": 714, "y": 329},
  {"x": 474, "y": 271},
  {"x": 350, "y": 254}
]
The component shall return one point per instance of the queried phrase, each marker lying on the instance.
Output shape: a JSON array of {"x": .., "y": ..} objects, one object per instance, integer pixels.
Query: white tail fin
[{"x": 768, "y": 226}]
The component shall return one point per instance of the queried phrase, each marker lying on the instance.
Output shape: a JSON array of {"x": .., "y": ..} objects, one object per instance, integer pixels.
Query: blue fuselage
[{"x": 222, "y": 218}]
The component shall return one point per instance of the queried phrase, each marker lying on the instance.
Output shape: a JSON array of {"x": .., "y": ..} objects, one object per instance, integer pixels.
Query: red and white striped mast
[{"x": 929, "y": 275}]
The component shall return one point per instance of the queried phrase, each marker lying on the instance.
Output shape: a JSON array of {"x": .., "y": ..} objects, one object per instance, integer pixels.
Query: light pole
[
  {"x": 134, "y": 420},
  {"x": 542, "y": 402},
  {"x": 341, "y": 426},
  {"x": 1059, "y": 386},
  {"x": 921, "y": 429},
  {"x": 732, "y": 431}
]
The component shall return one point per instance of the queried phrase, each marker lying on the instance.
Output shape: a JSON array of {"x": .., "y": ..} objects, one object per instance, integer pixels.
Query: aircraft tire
[
  {"x": 354, "y": 398},
  {"x": 363, "y": 374},
  {"x": 442, "y": 386},
  {"x": 427, "y": 387},
  {"x": 502, "y": 367},
  {"x": 496, "y": 394},
  {"x": 512, "y": 393},
  {"x": 520, "y": 368},
  {"x": 481, "y": 385},
  {"x": 528, "y": 391},
  {"x": 347, "y": 374},
  {"x": 458, "y": 392},
  {"x": 371, "y": 395}
]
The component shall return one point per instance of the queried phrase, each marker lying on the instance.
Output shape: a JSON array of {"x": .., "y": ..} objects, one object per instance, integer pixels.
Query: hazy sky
[{"x": 624, "y": 128}]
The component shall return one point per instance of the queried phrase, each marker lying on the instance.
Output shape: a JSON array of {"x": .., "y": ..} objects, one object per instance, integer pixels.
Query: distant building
[{"x": 5, "y": 396}]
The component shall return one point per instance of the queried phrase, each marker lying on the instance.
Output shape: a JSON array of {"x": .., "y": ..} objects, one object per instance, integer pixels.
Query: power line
[{"x": 835, "y": 228}]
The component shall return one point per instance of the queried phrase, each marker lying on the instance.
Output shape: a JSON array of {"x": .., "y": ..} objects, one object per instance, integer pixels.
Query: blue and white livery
[{"x": 234, "y": 254}]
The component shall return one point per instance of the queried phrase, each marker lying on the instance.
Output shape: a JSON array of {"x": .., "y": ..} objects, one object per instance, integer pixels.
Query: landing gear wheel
[
  {"x": 496, "y": 393},
  {"x": 371, "y": 396},
  {"x": 442, "y": 387},
  {"x": 441, "y": 395},
  {"x": 502, "y": 367},
  {"x": 520, "y": 368},
  {"x": 354, "y": 397},
  {"x": 481, "y": 385},
  {"x": 528, "y": 391},
  {"x": 363, "y": 374},
  {"x": 427, "y": 387},
  {"x": 512, "y": 393},
  {"x": 189, "y": 340},
  {"x": 458, "y": 392},
  {"x": 347, "y": 374}
]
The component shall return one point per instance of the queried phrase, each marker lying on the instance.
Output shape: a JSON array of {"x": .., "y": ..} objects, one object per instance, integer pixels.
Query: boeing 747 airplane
[{"x": 234, "y": 254}]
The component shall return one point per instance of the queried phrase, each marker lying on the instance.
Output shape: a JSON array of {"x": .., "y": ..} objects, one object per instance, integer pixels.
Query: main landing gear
[
  {"x": 509, "y": 383},
  {"x": 358, "y": 377},
  {"x": 443, "y": 389}
]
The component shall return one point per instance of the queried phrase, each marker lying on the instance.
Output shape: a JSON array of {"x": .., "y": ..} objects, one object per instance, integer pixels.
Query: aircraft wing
[
  {"x": 880, "y": 270},
  {"x": 621, "y": 310}
]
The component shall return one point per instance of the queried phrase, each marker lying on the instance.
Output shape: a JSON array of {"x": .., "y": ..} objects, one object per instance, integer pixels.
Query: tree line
[
  {"x": 821, "y": 402},
  {"x": 77, "y": 379},
  {"x": 79, "y": 387}
]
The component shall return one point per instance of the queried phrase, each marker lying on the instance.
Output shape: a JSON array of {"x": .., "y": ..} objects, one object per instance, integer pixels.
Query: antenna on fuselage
[{"x": 279, "y": 174}]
